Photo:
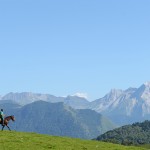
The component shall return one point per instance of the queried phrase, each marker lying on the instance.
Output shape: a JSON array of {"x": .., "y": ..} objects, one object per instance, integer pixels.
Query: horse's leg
[
  {"x": 3, "y": 127},
  {"x": 8, "y": 127}
]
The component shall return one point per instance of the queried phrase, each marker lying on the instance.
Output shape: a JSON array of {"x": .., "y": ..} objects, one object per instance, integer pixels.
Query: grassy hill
[{"x": 25, "y": 141}]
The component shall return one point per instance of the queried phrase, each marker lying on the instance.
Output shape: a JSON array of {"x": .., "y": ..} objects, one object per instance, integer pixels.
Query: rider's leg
[{"x": 2, "y": 121}]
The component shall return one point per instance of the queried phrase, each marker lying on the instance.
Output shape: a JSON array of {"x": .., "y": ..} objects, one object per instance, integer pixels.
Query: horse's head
[{"x": 12, "y": 118}]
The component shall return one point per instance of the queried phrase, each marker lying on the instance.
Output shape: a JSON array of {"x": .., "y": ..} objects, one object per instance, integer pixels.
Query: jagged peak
[
  {"x": 144, "y": 87},
  {"x": 113, "y": 94},
  {"x": 115, "y": 90},
  {"x": 130, "y": 90},
  {"x": 147, "y": 83}
]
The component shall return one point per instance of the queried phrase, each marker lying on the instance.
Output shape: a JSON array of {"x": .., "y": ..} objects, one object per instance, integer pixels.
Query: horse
[{"x": 6, "y": 121}]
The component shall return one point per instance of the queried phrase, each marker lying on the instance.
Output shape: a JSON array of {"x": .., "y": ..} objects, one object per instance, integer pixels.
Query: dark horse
[{"x": 6, "y": 120}]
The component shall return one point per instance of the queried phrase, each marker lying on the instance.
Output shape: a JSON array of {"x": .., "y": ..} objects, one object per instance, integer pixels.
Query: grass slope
[{"x": 31, "y": 141}]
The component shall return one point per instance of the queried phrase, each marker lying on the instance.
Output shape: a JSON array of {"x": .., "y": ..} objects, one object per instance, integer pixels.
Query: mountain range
[
  {"x": 124, "y": 107},
  {"x": 29, "y": 97},
  {"x": 56, "y": 119},
  {"x": 120, "y": 106}
]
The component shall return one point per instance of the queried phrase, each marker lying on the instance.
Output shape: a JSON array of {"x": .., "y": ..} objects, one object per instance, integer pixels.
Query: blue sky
[{"x": 67, "y": 47}]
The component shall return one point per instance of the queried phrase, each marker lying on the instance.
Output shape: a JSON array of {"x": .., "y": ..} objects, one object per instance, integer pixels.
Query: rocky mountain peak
[
  {"x": 113, "y": 94},
  {"x": 147, "y": 84},
  {"x": 146, "y": 92}
]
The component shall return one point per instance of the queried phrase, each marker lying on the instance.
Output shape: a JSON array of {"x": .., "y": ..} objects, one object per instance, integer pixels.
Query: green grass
[
  {"x": 32, "y": 141},
  {"x": 145, "y": 146}
]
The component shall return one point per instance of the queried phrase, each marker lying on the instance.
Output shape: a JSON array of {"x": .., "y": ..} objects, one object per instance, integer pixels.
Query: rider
[{"x": 2, "y": 116}]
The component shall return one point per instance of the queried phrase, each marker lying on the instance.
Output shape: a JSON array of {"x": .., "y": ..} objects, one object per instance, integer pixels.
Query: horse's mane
[{"x": 9, "y": 116}]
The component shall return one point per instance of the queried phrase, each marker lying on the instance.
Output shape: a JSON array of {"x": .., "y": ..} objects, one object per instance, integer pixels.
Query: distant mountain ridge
[
  {"x": 29, "y": 97},
  {"x": 121, "y": 106},
  {"x": 57, "y": 119}
]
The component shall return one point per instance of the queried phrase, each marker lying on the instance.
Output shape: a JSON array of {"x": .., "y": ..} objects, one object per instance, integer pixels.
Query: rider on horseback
[{"x": 2, "y": 117}]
